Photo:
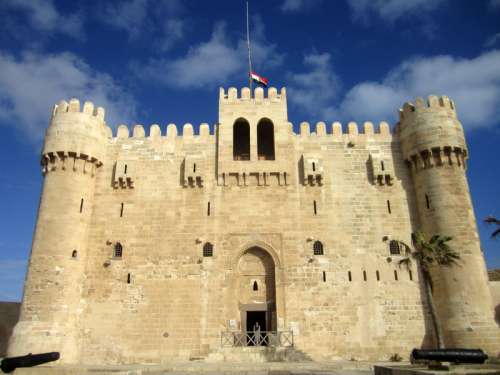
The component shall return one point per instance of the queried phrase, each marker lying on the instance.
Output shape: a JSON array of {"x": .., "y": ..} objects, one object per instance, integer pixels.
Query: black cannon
[
  {"x": 450, "y": 355},
  {"x": 30, "y": 360}
]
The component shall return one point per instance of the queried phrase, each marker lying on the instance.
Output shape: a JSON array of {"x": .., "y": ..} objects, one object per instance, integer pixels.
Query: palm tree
[
  {"x": 428, "y": 253},
  {"x": 495, "y": 221}
]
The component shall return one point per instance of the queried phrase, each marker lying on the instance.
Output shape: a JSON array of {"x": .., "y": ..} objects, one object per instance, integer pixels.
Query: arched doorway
[{"x": 257, "y": 290}]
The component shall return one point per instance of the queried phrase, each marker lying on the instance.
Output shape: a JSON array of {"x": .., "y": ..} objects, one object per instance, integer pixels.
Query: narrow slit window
[
  {"x": 389, "y": 206},
  {"x": 208, "y": 250},
  {"x": 125, "y": 169},
  {"x": 255, "y": 286},
  {"x": 349, "y": 275},
  {"x": 315, "y": 208},
  {"x": 314, "y": 167},
  {"x": 427, "y": 201},
  {"x": 378, "y": 275},
  {"x": 410, "y": 275},
  {"x": 318, "y": 248},
  {"x": 118, "y": 250},
  {"x": 382, "y": 166},
  {"x": 395, "y": 275},
  {"x": 81, "y": 205},
  {"x": 121, "y": 210},
  {"x": 324, "y": 276},
  {"x": 128, "y": 278},
  {"x": 364, "y": 275},
  {"x": 208, "y": 209},
  {"x": 194, "y": 167}
]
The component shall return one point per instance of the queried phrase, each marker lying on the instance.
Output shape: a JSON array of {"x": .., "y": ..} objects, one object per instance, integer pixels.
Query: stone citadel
[{"x": 156, "y": 247}]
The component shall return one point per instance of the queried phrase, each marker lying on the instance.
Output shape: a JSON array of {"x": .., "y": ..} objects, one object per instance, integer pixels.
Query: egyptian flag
[{"x": 261, "y": 80}]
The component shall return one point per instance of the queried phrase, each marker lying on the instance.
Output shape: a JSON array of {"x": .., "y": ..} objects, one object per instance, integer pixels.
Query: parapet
[
  {"x": 433, "y": 104},
  {"x": 74, "y": 106},
  {"x": 353, "y": 130},
  {"x": 259, "y": 95},
  {"x": 155, "y": 131}
]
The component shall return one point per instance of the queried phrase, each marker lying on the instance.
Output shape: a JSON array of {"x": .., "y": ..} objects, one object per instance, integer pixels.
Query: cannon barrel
[
  {"x": 450, "y": 355},
  {"x": 30, "y": 360}
]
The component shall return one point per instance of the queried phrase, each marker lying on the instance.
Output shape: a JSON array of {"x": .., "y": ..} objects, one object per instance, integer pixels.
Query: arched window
[
  {"x": 241, "y": 140},
  {"x": 118, "y": 250},
  {"x": 74, "y": 254},
  {"x": 265, "y": 140},
  {"x": 208, "y": 250},
  {"x": 255, "y": 286},
  {"x": 318, "y": 248},
  {"x": 394, "y": 247}
]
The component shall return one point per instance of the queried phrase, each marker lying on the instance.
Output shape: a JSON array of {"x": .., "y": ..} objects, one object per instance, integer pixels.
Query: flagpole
[{"x": 249, "y": 56}]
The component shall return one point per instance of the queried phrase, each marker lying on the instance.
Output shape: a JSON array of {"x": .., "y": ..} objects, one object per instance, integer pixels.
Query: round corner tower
[
  {"x": 73, "y": 151},
  {"x": 434, "y": 148}
]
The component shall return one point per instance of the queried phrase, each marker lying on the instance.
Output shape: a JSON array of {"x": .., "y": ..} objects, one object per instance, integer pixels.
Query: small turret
[
  {"x": 72, "y": 154},
  {"x": 434, "y": 148}
]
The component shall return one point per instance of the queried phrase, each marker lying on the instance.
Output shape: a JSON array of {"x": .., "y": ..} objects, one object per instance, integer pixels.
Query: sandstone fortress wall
[{"x": 262, "y": 199}]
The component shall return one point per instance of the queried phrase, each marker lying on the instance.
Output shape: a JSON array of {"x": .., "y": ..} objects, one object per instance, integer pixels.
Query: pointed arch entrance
[{"x": 256, "y": 290}]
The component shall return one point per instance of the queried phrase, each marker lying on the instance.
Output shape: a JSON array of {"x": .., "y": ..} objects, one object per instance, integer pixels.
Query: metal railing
[{"x": 262, "y": 338}]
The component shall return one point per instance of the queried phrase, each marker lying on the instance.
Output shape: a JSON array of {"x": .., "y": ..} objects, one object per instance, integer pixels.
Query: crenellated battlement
[
  {"x": 433, "y": 104},
  {"x": 74, "y": 106},
  {"x": 232, "y": 95},
  {"x": 336, "y": 129},
  {"x": 155, "y": 131}
]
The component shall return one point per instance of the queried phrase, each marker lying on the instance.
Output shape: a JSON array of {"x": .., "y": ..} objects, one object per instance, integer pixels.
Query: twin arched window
[{"x": 265, "y": 140}]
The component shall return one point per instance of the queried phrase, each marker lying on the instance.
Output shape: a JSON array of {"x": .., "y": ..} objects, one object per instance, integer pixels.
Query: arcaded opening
[
  {"x": 265, "y": 140},
  {"x": 241, "y": 140}
]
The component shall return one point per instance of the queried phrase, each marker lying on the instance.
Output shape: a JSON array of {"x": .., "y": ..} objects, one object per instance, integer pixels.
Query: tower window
[
  {"x": 118, "y": 250},
  {"x": 194, "y": 167},
  {"x": 324, "y": 276},
  {"x": 389, "y": 206},
  {"x": 314, "y": 167},
  {"x": 208, "y": 250},
  {"x": 121, "y": 210},
  {"x": 410, "y": 275},
  {"x": 427, "y": 201},
  {"x": 315, "y": 208},
  {"x": 395, "y": 275},
  {"x": 125, "y": 169},
  {"x": 349, "y": 275},
  {"x": 318, "y": 248},
  {"x": 382, "y": 166},
  {"x": 265, "y": 140},
  {"x": 81, "y": 205},
  {"x": 394, "y": 247},
  {"x": 241, "y": 140},
  {"x": 74, "y": 254},
  {"x": 378, "y": 275},
  {"x": 128, "y": 278},
  {"x": 255, "y": 286},
  {"x": 208, "y": 209},
  {"x": 364, "y": 275}
]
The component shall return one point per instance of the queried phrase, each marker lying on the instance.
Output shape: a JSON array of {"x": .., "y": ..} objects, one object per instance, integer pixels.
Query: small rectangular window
[
  {"x": 349, "y": 275},
  {"x": 410, "y": 275},
  {"x": 382, "y": 165},
  {"x": 364, "y": 275},
  {"x": 208, "y": 209},
  {"x": 81, "y": 206},
  {"x": 315, "y": 208},
  {"x": 125, "y": 169},
  {"x": 388, "y": 206},
  {"x": 395, "y": 275},
  {"x": 427, "y": 201},
  {"x": 128, "y": 279},
  {"x": 314, "y": 167},
  {"x": 121, "y": 210},
  {"x": 378, "y": 275},
  {"x": 324, "y": 276},
  {"x": 194, "y": 167}
]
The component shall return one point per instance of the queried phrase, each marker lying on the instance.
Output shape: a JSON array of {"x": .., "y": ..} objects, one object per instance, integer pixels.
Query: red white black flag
[{"x": 256, "y": 78}]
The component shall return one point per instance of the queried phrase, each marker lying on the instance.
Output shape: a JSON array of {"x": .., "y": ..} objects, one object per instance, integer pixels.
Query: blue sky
[{"x": 163, "y": 61}]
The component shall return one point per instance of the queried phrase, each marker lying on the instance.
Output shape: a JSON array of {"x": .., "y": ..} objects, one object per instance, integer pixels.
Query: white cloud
[
  {"x": 213, "y": 62},
  {"x": 32, "y": 84},
  {"x": 12, "y": 274},
  {"x": 474, "y": 85},
  {"x": 492, "y": 40},
  {"x": 157, "y": 21},
  {"x": 43, "y": 16},
  {"x": 315, "y": 91},
  {"x": 298, "y": 5},
  {"x": 390, "y": 10}
]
